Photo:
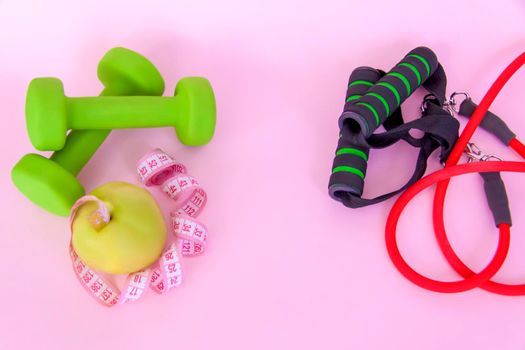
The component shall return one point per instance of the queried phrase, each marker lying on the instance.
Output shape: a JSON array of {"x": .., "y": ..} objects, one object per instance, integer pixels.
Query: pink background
[{"x": 287, "y": 267}]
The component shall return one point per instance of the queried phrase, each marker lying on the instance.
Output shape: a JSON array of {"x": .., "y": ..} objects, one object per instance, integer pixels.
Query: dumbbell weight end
[{"x": 46, "y": 183}]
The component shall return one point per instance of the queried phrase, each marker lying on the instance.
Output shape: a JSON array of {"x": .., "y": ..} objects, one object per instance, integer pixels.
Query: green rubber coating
[
  {"x": 124, "y": 72},
  {"x": 51, "y": 183},
  {"x": 191, "y": 111},
  {"x": 45, "y": 99},
  {"x": 392, "y": 89},
  {"x": 353, "y": 97},
  {"x": 423, "y": 60},
  {"x": 360, "y": 82},
  {"x": 403, "y": 79},
  {"x": 80, "y": 146},
  {"x": 383, "y": 101},
  {"x": 413, "y": 69},
  {"x": 353, "y": 151},
  {"x": 348, "y": 169},
  {"x": 47, "y": 184}
]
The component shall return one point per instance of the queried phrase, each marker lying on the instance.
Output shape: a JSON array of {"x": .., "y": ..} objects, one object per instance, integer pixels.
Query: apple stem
[
  {"x": 97, "y": 220},
  {"x": 100, "y": 217}
]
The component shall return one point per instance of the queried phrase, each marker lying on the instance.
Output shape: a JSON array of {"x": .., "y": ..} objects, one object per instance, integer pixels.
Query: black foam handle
[
  {"x": 348, "y": 170},
  {"x": 497, "y": 198},
  {"x": 360, "y": 81},
  {"x": 350, "y": 163},
  {"x": 382, "y": 99},
  {"x": 490, "y": 122}
]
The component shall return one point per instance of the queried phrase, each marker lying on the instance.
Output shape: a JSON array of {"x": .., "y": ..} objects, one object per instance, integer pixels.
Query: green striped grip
[
  {"x": 348, "y": 170},
  {"x": 371, "y": 109},
  {"x": 360, "y": 81},
  {"x": 350, "y": 162}
]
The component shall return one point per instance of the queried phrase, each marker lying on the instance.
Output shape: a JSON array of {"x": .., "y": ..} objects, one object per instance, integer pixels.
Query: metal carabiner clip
[
  {"x": 475, "y": 154},
  {"x": 452, "y": 105}
]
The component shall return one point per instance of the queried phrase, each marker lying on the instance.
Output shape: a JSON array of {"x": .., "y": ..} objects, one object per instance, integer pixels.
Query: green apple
[{"x": 127, "y": 240}]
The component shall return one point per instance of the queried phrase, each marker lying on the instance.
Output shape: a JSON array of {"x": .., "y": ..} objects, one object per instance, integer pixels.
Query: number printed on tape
[
  {"x": 153, "y": 167},
  {"x": 152, "y": 163},
  {"x": 189, "y": 229},
  {"x": 169, "y": 273},
  {"x": 92, "y": 282}
]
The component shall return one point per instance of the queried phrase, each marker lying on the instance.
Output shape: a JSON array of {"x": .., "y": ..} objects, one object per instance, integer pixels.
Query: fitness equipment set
[
  {"x": 131, "y": 99},
  {"x": 75, "y": 127},
  {"x": 373, "y": 99}
]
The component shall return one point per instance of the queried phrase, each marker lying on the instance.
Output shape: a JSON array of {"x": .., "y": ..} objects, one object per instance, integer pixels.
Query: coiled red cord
[{"x": 442, "y": 178}]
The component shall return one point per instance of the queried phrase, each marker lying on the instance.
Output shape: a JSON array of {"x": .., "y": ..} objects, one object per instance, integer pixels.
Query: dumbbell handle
[
  {"x": 81, "y": 145},
  {"x": 112, "y": 112}
]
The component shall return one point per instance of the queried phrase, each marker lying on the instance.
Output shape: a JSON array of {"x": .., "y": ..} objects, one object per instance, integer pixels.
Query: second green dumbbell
[
  {"x": 50, "y": 114},
  {"x": 52, "y": 183}
]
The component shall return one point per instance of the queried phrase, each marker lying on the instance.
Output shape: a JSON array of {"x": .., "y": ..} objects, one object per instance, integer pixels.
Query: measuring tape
[
  {"x": 155, "y": 169},
  {"x": 158, "y": 168}
]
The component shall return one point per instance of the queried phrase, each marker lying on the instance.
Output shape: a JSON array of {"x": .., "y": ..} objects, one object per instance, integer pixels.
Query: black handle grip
[
  {"x": 369, "y": 111},
  {"x": 348, "y": 170},
  {"x": 350, "y": 162},
  {"x": 360, "y": 81},
  {"x": 490, "y": 122},
  {"x": 497, "y": 198}
]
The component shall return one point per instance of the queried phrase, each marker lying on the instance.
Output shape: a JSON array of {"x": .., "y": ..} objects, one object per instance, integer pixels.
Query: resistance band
[
  {"x": 373, "y": 99},
  {"x": 494, "y": 189}
]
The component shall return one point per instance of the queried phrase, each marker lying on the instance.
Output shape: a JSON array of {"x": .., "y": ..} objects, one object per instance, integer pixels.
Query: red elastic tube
[
  {"x": 442, "y": 178},
  {"x": 518, "y": 147},
  {"x": 446, "y": 247}
]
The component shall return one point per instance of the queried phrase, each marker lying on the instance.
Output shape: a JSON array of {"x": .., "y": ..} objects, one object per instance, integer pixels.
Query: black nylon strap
[
  {"x": 437, "y": 84},
  {"x": 441, "y": 131},
  {"x": 354, "y": 201},
  {"x": 435, "y": 122}
]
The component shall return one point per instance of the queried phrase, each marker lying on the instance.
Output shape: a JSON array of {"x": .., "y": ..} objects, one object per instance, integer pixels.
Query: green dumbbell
[
  {"x": 52, "y": 183},
  {"x": 191, "y": 111}
]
